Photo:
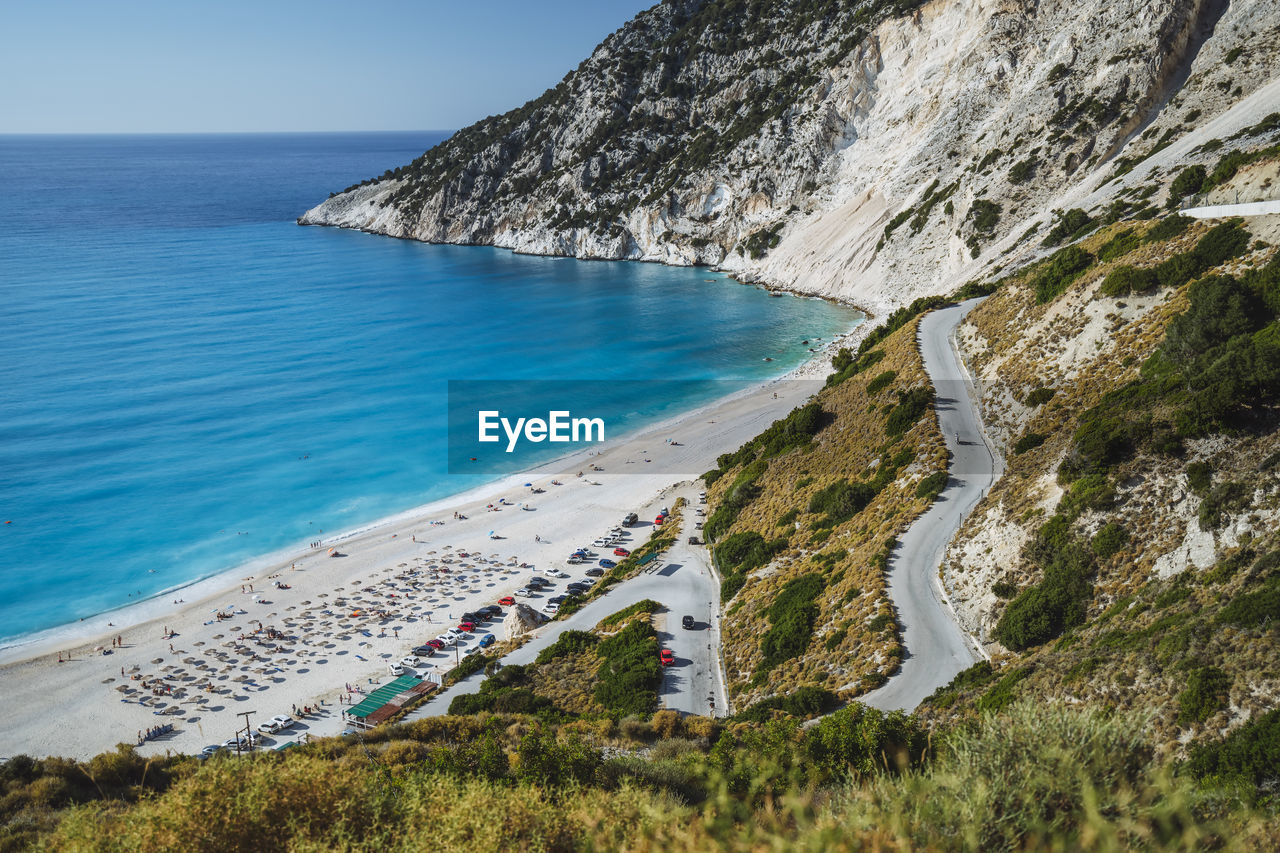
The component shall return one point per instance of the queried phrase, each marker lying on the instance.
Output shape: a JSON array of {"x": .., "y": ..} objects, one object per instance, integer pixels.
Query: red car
[
  {"x": 667, "y": 657},
  {"x": 658, "y": 521},
  {"x": 621, "y": 552},
  {"x": 506, "y": 601},
  {"x": 467, "y": 626},
  {"x": 435, "y": 644}
]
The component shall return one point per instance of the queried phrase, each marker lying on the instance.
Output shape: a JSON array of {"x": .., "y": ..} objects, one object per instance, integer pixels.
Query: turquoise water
[{"x": 192, "y": 380}]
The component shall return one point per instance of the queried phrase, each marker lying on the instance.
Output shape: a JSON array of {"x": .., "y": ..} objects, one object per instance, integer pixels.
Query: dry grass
[{"x": 850, "y": 448}]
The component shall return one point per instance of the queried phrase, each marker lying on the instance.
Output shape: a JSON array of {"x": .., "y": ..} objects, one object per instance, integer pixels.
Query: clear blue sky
[{"x": 143, "y": 66}]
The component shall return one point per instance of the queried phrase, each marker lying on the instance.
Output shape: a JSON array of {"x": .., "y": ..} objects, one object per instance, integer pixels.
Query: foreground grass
[{"x": 1034, "y": 777}]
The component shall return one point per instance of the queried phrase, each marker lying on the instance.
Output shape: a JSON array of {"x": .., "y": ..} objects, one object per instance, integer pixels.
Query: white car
[
  {"x": 551, "y": 607},
  {"x": 278, "y": 723},
  {"x": 454, "y": 632},
  {"x": 411, "y": 661},
  {"x": 395, "y": 668},
  {"x": 448, "y": 640},
  {"x": 587, "y": 552},
  {"x": 523, "y": 592}
]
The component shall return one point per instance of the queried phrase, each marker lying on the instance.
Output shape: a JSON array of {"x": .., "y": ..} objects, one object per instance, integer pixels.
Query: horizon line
[{"x": 207, "y": 132}]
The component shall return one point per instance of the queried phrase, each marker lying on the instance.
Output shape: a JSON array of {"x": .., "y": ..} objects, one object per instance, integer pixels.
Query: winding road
[{"x": 937, "y": 648}]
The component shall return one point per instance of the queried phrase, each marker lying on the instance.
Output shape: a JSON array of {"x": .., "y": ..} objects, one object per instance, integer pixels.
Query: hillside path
[{"x": 936, "y": 647}]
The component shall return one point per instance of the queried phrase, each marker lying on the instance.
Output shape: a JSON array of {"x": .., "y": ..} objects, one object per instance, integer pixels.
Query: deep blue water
[{"x": 192, "y": 380}]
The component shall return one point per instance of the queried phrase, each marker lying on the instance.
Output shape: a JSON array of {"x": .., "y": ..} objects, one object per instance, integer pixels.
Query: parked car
[
  {"x": 577, "y": 589},
  {"x": 550, "y": 607},
  {"x": 595, "y": 572},
  {"x": 469, "y": 617},
  {"x": 270, "y": 727},
  {"x": 474, "y": 650},
  {"x": 446, "y": 641},
  {"x": 410, "y": 661},
  {"x": 210, "y": 751},
  {"x": 688, "y": 623},
  {"x": 608, "y": 564},
  {"x": 559, "y": 599},
  {"x": 537, "y": 582},
  {"x": 666, "y": 657},
  {"x": 492, "y": 610},
  {"x": 426, "y": 650},
  {"x": 631, "y": 519},
  {"x": 506, "y": 601},
  {"x": 437, "y": 643},
  {"x": 621, "y": 552},
  {"x": 467, "y": 626},
  {"x": 452, "y": 632},
  {"x": 587, "y": 552},
  {"x": 395, "y": 668},
  {"x": 486, "y": 641},
  {"x": 524, "y": 592},
  {"x": 246, "y": 741},
  {"x": 657, "y": 522}
]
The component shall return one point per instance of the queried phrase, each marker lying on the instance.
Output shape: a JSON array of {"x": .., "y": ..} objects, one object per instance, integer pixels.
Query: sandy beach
[{"x": 310, "y": 630}]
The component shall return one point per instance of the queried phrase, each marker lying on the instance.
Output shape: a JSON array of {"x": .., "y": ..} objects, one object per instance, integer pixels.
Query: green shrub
[
  {"x": 1249, "y": 754},
  {"x": 875, "y": 386},
  {"x": 1167, "y": 228},
  {"x": 1063, "y": 267},
  {"x": 1124, "y": 280},
  {"x": 931, "y": 486},
  {"x": 1004, "y": 589},
  {"x": 569, "y": 642},
  {"x": 1220, "y": 502},
  {"x": 1039, "y": 396},
  {"x": 840, "y": 502},
  {"x": 629, "y": 670},
  {"x": 1221, "y": 243},
  {"x": 984, "y": 215},
  {"x": 645, "y": 605},
  {"x": 1254, "y": 609},
  {"x": 1110, "y": 540},
  {"x": 1189, "y": 181},
  {"x": 910, "y": 407},
  {"x": 1001, "y": 694},
  {"x": 1121, "y": 244},
  {"x": 1023, "y": 171},
  {"x": 804, "y": 703},
  {"x": 791, "y": 617},
  {"x": 745, "y": 551},
  {"x": 863, "y": 741},
  {"x": 1059, "y": 601},
  {"x": 1030, "y": 441},
  {"x": 1205, "y": 694},
  {"x": 1069, "y": 225},
  {"x": 730, "y": 585}
]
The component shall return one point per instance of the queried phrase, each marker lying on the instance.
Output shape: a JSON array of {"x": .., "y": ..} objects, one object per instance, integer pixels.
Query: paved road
[
  {"x": 937, "y": 649},
  {"x": 684, "y": 584},
  {"x": 1222, "y": 211}
]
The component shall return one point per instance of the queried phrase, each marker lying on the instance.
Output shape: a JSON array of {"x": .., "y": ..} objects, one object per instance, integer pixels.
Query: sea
[{"x": 191, "y": 380}]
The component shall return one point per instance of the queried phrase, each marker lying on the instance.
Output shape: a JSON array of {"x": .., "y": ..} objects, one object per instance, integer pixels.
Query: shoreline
[
  {"x": 131, "y": 614},
  {"x": 72, "y": 706}
]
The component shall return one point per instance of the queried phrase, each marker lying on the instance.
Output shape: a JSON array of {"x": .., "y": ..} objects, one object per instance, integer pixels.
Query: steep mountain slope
[{"x": 860, "y": 150}]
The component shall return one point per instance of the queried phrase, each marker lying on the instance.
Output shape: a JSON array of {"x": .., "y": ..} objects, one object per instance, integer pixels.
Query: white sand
[{"x": 80, "y": 707}]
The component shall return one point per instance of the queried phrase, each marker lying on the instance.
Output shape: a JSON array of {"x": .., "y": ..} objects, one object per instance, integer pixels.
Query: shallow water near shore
[{"x": 192, "y": 380}]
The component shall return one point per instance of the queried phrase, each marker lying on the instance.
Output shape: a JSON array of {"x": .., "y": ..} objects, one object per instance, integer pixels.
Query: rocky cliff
[{"x": 868, "y": 151}]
